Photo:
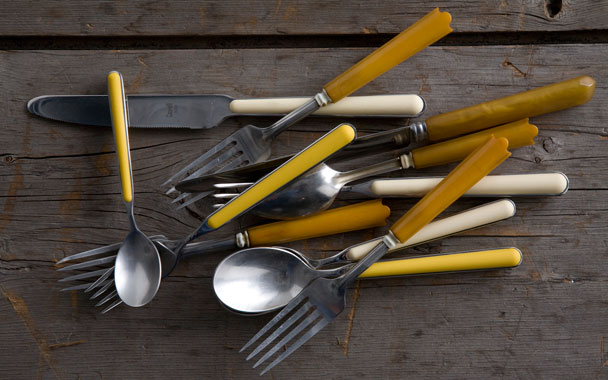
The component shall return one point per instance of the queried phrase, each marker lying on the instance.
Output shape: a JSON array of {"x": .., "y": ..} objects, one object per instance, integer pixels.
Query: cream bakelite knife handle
[
  {"x": 493, "y": 185},
  {"x": 377, "y": 105},
  {"x": 476, "y": 217},
  {"x": 446, "y": 263}
]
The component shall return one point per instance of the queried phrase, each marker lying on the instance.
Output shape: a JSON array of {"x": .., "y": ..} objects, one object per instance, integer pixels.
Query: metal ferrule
[
  {"x": 418, "y": 132},
  {"x": 242, "y": 239},
  {"x": 322, "y": 98},
  {"x": 390, "y": 240},
  {"x": 407, "y": 161}
]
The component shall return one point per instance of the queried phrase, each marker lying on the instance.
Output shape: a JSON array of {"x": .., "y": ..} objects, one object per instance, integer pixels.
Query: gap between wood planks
[{"x": 291, "y": 41}]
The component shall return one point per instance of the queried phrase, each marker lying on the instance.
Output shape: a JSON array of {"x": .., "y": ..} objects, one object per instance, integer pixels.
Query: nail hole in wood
[{"x": 553, "y": 7}]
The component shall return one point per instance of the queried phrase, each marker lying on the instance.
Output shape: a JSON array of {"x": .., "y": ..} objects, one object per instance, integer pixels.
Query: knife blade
[{"x": 208, "y": 111}]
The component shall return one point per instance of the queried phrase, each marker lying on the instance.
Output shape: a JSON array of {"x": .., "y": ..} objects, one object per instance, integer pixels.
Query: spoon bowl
[
  {"x": 137, "y": 270},
  {"x": 260, "y": 280}
]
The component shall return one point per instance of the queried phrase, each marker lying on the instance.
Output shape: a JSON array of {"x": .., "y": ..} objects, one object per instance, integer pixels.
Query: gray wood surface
[
  {"x": 59, "y": 194},
  {"x": 280, "y": 17}
]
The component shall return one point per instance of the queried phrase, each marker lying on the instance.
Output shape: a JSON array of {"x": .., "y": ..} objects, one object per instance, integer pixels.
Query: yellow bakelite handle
[
  {"x": 477, "y": 165},
  {"x": 348, "y": 218},
  {"x": 320, "y": 150},
  {"x": 551, "y": 98},
  {"x": 455, "y": 262},
  {"x": 421, "y": 34},
  {"x": 118, "y": 110},
  {"x": 519, "y": 133}
]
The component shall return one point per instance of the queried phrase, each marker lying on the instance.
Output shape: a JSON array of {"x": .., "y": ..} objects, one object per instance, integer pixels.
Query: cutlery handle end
[{"x": 419, "y": 35}]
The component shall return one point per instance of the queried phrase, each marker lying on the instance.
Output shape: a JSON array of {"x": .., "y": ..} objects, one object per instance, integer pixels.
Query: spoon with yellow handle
[
  {"x": 244, "y": 291},
  {"x": 137, "y": 268},
  {"x": 252, "y": 293}
]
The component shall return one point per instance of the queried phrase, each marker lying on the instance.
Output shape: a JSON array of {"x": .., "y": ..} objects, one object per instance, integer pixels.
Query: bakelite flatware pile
[{"x": 260, "y": 277}]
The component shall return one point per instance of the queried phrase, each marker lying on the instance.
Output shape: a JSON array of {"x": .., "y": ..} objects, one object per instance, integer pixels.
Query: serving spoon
[
  {"x": 137, "y": 270},
  {"x": 261, "y": 280}
]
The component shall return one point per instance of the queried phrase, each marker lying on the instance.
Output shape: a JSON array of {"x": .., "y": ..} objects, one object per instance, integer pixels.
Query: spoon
[
  {"x": 137, "y": 271},
  {"x": 263, "y": 279},
  {"x": 317, "y": 189}
]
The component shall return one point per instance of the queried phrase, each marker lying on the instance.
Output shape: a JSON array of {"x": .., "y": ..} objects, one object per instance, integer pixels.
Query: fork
[
  {"x": 251, "y": 144},
  {"x": 324, "y": 299}
]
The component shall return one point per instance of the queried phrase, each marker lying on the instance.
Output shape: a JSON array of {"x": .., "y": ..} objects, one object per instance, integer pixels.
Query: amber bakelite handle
[
  {"x": 476, "y": 166},
  {"x": 348, "y": 218},
  {"x": 519, "y": 133},
  {"x": 551, "y": 98},
  {"x": 421, "y": 34}
]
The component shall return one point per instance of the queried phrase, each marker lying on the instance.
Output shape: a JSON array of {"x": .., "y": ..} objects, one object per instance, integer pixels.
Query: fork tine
[
  {"x": 112, "y": 306},
  {"x": 224, "y": 195},
  {"x": 216, "y": 162},
  {"x": 293, "y": 333},
  {"x": 89, "y": 253},
  {"x": 230, "y": 166},
  {"x": 101, "y": 279},
  {"x": 275, "y": 334},
  {"x": 90, "y": 263},
  {"x": 193, "y": 199},
  {"x": 203, "y": 158},
  {"x": 105, "y": 299},
  {"x": 303, "y": 339},
  {"x": 232, "y": 185},
  {"x": 290, "y": 306},
  {"x": 77, "y": 287},
  {"x": 103, "y": 289},
  {"x": 82, "y": 276},
  {"x": 180, "y": 197}
]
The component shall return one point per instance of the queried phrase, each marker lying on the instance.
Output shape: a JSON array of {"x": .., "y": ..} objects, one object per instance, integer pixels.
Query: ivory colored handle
[
  {"x": 454, "y": 262},
  {"x": 473, "y": 168},
  {"x": 348, "y": 218},
  {"x": 421, "y": 34},
  {"x": 492, "y": 185},
  {"x": 120, "y": 126},
  {"x": 320, "y": 150},
  {"x": 473, "y": 218},
  {"x": 377, "y": 105},
  {"x": 551, "y": 98},
  {"x": 519, "y": 133}
]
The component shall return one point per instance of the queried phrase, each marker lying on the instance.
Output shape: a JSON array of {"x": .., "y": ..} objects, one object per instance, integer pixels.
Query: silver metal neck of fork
[{"x": 310, "y": 106}]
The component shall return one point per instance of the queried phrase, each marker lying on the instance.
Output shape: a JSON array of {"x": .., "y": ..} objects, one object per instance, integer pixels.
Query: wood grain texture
[
  {"x": 59, "y": 194},
  {"x": 281, "y": 17}
]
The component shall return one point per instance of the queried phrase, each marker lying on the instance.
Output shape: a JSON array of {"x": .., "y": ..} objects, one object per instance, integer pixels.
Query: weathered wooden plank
[
  {"x": 59, "y": 195},
  {"x": 222, "y": 18}
]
